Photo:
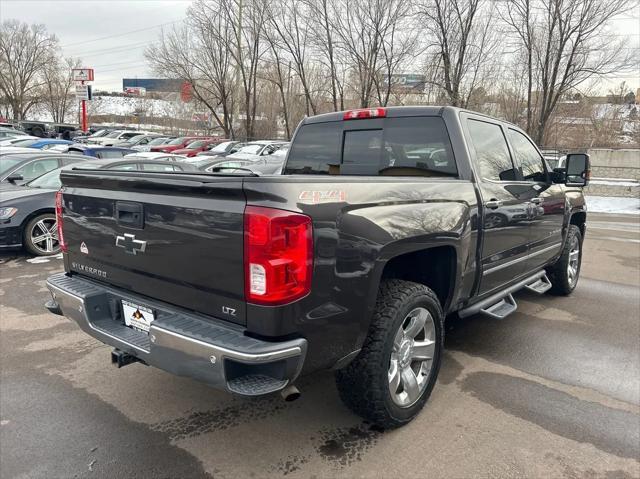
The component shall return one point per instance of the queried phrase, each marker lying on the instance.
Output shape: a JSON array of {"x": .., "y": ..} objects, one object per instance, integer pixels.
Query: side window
[
  {"x": 157, "y": 167},
  {"x": 529, "y": 160},
  {"x": 492, "y": 153},
  {"x": 124, "y": 167},
  {"x": 36, "y": 168}
]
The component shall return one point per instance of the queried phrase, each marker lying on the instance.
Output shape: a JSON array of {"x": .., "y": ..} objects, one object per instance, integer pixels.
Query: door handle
[
  {"x": 493, "y": 204},
  {"x": 536, "y": 201}
]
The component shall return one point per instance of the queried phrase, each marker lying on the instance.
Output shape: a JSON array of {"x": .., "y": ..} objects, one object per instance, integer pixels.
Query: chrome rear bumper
[{"x": 180, "y": 342}]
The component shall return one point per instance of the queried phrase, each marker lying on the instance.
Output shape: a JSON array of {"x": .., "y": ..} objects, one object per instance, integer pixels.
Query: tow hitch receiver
[{"x": 121, "y": 359}]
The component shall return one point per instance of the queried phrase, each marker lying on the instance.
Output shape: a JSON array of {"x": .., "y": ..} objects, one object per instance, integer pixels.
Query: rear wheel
[
  {"x": 40, "y": 235},
  {"x": 565, "y": 272},
  {"x": 391, "y": 379}
]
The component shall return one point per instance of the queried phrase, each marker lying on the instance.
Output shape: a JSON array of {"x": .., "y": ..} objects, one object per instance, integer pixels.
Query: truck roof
[{"x": 395, "y": 112}]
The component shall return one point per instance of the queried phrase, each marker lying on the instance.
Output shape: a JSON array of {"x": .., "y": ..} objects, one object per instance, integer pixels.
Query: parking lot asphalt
[{"x": 551, "y": 391}]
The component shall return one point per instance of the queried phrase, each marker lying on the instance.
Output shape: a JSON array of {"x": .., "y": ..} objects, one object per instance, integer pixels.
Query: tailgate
[{"x": 172, "y": 237}]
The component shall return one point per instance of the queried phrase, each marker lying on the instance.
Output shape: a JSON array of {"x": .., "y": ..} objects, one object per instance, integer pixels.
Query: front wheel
[
  {"x": 391, "y": 379},
  {"x": 40, "y": 235},
  {"x": 564, "y": 273}
]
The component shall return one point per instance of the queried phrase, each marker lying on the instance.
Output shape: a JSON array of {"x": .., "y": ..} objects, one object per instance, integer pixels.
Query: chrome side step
[
  {"x": 502, "y": 308},
  {"x": 501, "y": 304},
  {"x": 540, "y": 286}
]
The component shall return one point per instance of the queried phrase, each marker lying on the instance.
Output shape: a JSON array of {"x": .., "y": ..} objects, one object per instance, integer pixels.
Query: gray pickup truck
[{"x": 383, "y": 222}]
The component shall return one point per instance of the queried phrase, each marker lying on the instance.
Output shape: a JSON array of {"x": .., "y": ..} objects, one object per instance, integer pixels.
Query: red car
[
  {"x": 178, "y": 143},
  {"x": 197, "y": 146}
]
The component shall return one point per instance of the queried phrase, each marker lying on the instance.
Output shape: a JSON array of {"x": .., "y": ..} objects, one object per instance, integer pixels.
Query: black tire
[
  {"x": 37, "y": 131},
  {"x": 27, "y": 240},
  {"x": 561, "y": 282},
  {"x": 363, "y": 385}
]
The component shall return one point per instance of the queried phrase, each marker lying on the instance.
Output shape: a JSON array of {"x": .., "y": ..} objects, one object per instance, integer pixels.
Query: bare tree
[
  {"x": 288, "y": 29},
  {"x": 57, "y": 80},
  {"x": 198, "y": 53},
  {"x": 464, "y": 45},
  {"x": 246, "y": 19},
  {"x": 324, "y": 39},
  {"x": 366, "y": 31},
  {"x": 279, "y": 74},
  {"x": 25, "y": 52},
  {"x": 568, "y": 45}
]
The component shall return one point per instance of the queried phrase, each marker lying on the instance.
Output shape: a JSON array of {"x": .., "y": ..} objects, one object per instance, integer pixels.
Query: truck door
[
  {"x": 546, "y": 201},
  {"x": 504, "y": 213}
]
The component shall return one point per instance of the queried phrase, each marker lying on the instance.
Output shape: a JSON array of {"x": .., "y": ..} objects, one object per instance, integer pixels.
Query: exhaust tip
[{"x": 290, "y": 393}]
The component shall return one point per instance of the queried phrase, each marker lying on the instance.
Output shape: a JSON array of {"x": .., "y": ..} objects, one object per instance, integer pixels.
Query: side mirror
[
  {"x": 578, "y": 169},
  {"x": 14, "y": 178}
]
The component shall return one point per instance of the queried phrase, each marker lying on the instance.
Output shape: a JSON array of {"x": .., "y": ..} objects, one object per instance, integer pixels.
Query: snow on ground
[
  {"x": 613, "y": 182},
  {"x": 610, "y": 204}
]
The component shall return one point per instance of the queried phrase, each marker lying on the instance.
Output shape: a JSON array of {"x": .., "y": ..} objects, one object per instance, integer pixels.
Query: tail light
[
  {"x": 365, "y": 113},
  {"x": 278, "y": 255},
  {"x": 59, "y": 207}
]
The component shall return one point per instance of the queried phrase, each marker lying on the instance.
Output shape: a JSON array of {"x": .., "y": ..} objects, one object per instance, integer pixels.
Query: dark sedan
[
  {"x": 21, "y": 167},
  {"x": 27, "y": 213}
]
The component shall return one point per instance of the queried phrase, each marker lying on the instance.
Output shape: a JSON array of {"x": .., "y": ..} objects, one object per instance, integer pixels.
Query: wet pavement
[{"x": 551, "y": 391}]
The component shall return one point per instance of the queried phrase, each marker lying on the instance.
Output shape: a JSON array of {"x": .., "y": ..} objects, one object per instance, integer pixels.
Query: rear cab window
[{"x": 393, "y": 146}]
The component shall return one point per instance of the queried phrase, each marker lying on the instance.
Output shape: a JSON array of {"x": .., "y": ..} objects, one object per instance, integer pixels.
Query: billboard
[{"x": 165, "y": 85}]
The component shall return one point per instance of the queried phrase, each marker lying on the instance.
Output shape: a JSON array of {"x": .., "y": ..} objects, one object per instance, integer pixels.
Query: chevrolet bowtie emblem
[{"x": 130, "y": 244}]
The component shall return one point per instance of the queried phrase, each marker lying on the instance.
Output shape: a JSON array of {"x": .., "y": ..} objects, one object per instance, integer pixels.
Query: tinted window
[
  {"x": 36, "y": 168},
  {"x": 361, "y": 152},
  {"x": 396, "y": 146},
  {"x": 527, "y": 157},
  {"x": 492, "y": 153}
]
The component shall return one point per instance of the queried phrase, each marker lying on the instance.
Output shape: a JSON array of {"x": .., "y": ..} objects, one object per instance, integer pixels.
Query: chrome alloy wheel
[
  {"x": 574, "y": 261},
  {"x": 44, "y": 236},
  {"x": 412, "y": 357}
]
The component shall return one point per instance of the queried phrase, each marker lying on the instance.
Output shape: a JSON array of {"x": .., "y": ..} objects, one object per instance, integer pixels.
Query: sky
[
  {"x": 130, "y": 25},
  {"x": 82, "y": 25}
]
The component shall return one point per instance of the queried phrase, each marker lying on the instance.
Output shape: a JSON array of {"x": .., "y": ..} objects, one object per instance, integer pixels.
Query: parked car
[
  {"x": 43, "y": 129},
  {"x": 10, "y": 133},
  {"x": 222, "y": 149},
  {"x": 12, "y": 140},
  {"x": 349, "y": 262},
  {"x": 42, "y": 143},
  {"x": 195, "y": 147},
  {"x": 163, "y": 140},
  {"x": 116, "y": 136},
  {"x": 138, "y": 140},
  {"x": 27, "y": 213},
  {"x": 267, "y": 165},
  {"x": 6, "y": 150},
  {"x": 96, "y": 134},
  {"x": 154, "y": 155},
  {"x": 97, "y": 151},
  {"x": 19, "y": 168},
  {"x": 177, "y": 143},
  {"x": 256, "y": 149}
]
